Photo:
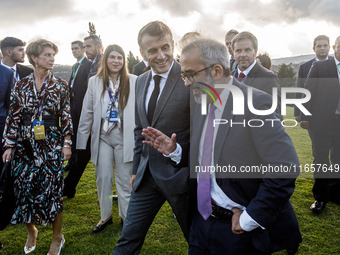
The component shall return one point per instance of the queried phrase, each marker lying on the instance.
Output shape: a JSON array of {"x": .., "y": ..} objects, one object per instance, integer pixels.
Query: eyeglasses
[{"x": 190, "y": 77}]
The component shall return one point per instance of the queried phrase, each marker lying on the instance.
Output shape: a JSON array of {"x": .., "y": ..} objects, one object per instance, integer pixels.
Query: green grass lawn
[{"x": 320, "y": 233}]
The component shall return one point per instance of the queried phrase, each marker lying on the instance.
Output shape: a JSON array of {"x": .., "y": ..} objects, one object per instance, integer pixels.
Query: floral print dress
[{"x": 38, "y": 182}]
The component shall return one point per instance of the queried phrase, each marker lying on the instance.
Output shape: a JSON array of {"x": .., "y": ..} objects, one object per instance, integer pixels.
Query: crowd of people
[{"x": 147, "y": 132}]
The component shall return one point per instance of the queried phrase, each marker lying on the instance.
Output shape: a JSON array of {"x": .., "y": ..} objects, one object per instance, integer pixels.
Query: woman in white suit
[{"x": 108, "y": 115}]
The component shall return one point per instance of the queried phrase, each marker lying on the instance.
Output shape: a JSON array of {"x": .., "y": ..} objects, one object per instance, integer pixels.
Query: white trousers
[{"x": 110, "y": 154}]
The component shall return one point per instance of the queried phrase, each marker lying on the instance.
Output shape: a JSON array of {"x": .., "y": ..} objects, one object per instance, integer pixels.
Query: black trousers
[
  {"x": 76, "y": 166},
  {"x": 327, "y": 153}
]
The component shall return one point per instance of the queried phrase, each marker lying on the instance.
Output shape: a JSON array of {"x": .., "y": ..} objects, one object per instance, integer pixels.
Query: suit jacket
[
  {"x": 172, "y": 115},
  {"x": 94, "y": 68},
  {"x": 6, "y": 83},
  {"x": 301, "y": 80},
  {"x": 78, "y": 90},
  {"x": 138, "y": 69},
  {"x": 90, "y": 119},
  {"x": 23, "y": 71},
  {"x": 266, "y": 197},
  {"x": 323, "y": 84}
]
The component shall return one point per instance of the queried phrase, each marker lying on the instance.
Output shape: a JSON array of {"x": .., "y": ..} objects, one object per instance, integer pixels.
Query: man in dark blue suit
[
  {"x": 324, "y": 124},
  {"x": 6, "y": 83},
  {"x": 321, "y": 48},
  {"x": 13, "y": 51},
  {"x": 237, "y": 212},
  {"x": 78, "y": 87}
]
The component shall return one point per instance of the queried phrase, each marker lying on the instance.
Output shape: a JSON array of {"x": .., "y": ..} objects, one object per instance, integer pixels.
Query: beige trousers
[{"x": 110, "y": 154}]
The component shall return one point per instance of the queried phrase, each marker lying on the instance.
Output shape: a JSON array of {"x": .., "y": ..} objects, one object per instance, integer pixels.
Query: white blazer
[{"x": 90, "y": 119}]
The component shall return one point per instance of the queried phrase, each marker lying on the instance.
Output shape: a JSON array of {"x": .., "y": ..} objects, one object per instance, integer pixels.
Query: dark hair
[
  {"x": 11, "y": 43},
  {"x": 245, "y": 36},
  {"x": 154, "y": 28},
  {"x": 80, "y": 43},
  {"x": 265, "y": 60},
  {"x": 319, "y": 38},
  {"x": 103, "y": 72},
  {"x": 36, "y": 47},
  {"x": 95, "y": 38},
  {"x": 231, "y": 31}
]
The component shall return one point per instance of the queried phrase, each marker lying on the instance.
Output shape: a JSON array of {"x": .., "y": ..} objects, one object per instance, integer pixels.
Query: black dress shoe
[
  {"x": 115, "y": 197},
  {"x": 101, "y": 227},
  {"x": 317, "y": 206}
]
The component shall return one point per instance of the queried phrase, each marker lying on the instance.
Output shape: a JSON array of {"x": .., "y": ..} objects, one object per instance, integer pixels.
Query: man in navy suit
[
  {"x": 237, "y": 212},
  {"x": 324, "y": 124},
  {"x": 248, "y": 71},
  {"x": 13, "y": 51},
  {"x": 321, "y": 47},
  {"x": 6, "y": 82},
  {"x": 163, "y": 103},
  {"x": 78, "y": 87}
]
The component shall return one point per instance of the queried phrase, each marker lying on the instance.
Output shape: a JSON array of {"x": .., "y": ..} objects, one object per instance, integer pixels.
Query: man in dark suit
[
  {"x": 249, "y": 71},
  {"x": 6, "y": 84},
  {"x": 321, "y": 47},
  {"x": 163, "y": 103},
  {"x": 93, "y": 48},
  {"x": 237, "y": 212},
  {"x": 13, "y": 51},
  {"x": 78, "y": 87},
  {"x": 140, "y": 68},
  {"x": 324, "y": 124},
  {"x": 228, "y": 39}
]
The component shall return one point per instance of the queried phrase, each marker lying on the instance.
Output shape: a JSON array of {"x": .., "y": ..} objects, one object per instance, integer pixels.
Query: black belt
[
  {"x": 221, "y": 214},
  {"x": 49, "y": 120}
]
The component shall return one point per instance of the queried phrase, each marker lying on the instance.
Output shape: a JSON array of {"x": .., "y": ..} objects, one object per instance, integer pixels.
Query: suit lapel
[
  {"x": 251, "y": 75},
  {"x": 223, "y": 130},
  {"x": 142, "y": 111},
  {"x": 169, "y": 86}
]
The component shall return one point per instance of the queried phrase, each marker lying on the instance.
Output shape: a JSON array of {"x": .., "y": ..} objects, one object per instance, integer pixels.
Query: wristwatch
[{"x": 68, "y": 141}]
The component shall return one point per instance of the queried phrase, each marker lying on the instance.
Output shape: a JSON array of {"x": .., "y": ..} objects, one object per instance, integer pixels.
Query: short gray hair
[{"x": 211, "y": 52}]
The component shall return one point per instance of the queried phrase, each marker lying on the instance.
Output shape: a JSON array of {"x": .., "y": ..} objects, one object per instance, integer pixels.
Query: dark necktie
[
  {"x": 203, "y": 187},
  {"x": 240, "y": 77},
  {"x": 153, "y": 98},
  {"x": 15, "y": 75}
]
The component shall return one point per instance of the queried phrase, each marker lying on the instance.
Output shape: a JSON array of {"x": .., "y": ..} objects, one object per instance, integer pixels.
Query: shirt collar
[
  {"x": 247, "y": 70},
  {"x": 337, "y": 62},
  {"x": 9, "y": 67}
]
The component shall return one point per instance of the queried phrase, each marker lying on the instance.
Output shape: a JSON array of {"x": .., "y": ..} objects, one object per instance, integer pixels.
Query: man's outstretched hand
[{"x": 159, "y": 140}]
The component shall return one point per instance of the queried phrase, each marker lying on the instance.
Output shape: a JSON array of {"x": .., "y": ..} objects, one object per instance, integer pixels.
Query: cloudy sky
[{"x": 283, "y": 27}]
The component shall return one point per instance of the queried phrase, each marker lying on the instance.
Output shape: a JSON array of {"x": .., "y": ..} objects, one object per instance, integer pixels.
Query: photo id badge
[
  {"x": 113, "y": 116},
  {"x": 38, "y": 129}
]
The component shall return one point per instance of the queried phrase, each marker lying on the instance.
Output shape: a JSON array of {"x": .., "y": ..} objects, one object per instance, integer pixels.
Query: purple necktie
[{"x": 203, "y": 187}]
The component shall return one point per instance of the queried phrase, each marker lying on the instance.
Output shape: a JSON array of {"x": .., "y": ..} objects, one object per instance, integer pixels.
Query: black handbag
[{"x": 7, "y": 198}]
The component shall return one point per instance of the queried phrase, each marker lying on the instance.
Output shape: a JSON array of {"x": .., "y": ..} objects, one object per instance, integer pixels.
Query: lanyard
[
  {"x": 338, "y": 69},
  {"x": 113, "y": 100},
  {"x": 75, "y": 71},
  {"x": 41, "y": 94}
]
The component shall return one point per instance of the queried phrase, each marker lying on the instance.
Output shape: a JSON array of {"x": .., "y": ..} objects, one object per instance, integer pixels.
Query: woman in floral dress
[{"x": 37, "y": 149}]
